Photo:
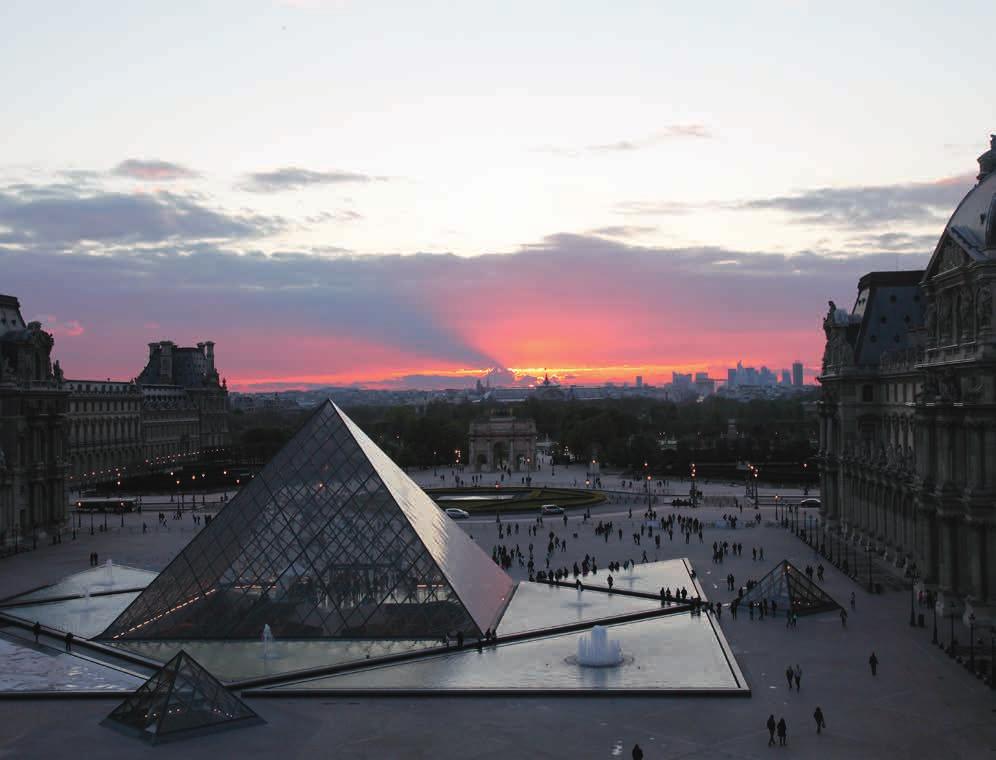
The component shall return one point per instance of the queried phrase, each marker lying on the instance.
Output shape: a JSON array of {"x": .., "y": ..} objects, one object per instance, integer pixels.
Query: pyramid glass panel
[
  {"x": 182, "y": 698},
  {"x": 791, "y": 590},
  {"x": 330, "y": 540}
]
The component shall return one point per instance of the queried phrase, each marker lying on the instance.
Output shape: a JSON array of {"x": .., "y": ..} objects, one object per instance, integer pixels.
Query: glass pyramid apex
[
  {"x": 330, "y": 540},
  {"x": 792, "y": 590},
  {"x": 181, "y": 699}
]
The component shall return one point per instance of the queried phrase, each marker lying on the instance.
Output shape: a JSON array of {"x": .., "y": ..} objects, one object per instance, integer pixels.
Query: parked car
[
  {"x": 813, "y": 503},
  {"x": 551, "y": 509},
  {"x": 457, "y": 514}
]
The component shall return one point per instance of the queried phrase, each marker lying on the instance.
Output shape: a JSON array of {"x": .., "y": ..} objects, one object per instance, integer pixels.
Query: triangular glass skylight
[
  {"x": 330, "y": 540},
  {"x": 181, "y": 699},
  {"x": 791, "y": 589}
]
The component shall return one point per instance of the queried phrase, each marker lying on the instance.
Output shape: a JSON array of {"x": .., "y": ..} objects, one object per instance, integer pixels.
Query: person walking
[
  {"x": 36, "y": 630},
  {"x": 820, "y": 722},
  {"x": 771, "y": 730},
  {"x": 789, "y": 675},
  {"x": 852, "y": 600},
  {"x": 873, "y": 662},
  {"x": 637, "y": 752},
  {"x": 798, "y": 676},
  {"x": 843, "y": 618},
  {"x": 69, "y": 642},
  {"x": 782, "y": 733}
]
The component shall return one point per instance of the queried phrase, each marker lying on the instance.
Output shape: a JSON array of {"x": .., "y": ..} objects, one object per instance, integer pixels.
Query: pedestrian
[
  {"x": 69, "y": 642},
  {"x": 782, "y": 733},
  {"x": 789, "y": 675},
  {"x": 798, "y": 676},
  {"x": 637, "y": 752},
  {"x": 820, "y": 722},
  {"x": 771, "y": 730},
  {"x": 873, "y": 662},
  {"x": 852, "y": 600},
  {"x": 843, "y": 618},
  {"x": 36, "y": 630}
]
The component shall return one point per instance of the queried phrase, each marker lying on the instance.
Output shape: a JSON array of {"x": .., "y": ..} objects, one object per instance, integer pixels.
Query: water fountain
[
  {"x": 86, "y": 598},
  {"x": 596, "y": 650},
  {"x": 109, "y": 573},
  {"x": 267, "y": 641}
]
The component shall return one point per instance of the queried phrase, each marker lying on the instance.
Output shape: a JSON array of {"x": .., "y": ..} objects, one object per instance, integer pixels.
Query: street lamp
[
  {"x": 870, "y": 587},
  {"x": 695, "y": 491},
  {"x": 934, "y": 605},
  {"x": 913, "y": 579},
  {"x": 971, "y": 642}
]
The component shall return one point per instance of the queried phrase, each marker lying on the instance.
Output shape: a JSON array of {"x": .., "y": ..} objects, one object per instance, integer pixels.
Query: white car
[
  {"x": 814, "y": 503},
  {"x": 551, "y": 509},
  {"x": 457, "y": 514}
]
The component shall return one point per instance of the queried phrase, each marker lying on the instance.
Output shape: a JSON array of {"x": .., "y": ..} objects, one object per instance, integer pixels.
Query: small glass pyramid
[
  {"x": 182, "y": 699},
  {"x": 330, "y": 540},
  {"x": 792, "y": 590}
]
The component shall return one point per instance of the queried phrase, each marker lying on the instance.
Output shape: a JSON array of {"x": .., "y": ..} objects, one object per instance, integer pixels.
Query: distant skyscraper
[
  {"x": 786, "y": 377},
  {"x": 797, "y": 373},
  {"x": 639, "y": 381}
]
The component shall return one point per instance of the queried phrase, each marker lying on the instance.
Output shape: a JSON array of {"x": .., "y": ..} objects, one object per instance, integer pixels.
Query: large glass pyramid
[
  {"x": 792, "y": 590},
  {"x": 181, "y": 699},
  {"x": 330, "y": 540}
]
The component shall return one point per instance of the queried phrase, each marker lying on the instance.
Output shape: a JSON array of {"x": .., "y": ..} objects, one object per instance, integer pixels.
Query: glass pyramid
[
  {"x": 182, "y": 699},
  {"x": 791, "y": 589},
  {"x": 330, "y": 540}
]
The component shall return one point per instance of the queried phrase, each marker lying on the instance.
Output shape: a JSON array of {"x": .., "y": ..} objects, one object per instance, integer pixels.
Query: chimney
[
  {"x": 166, "y": 362},
  {"x": 209, "y": 355},
  {"x": 987, "y": 161}
]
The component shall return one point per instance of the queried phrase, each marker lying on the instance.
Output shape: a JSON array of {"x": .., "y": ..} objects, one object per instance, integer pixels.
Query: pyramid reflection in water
[
  {"x": 330, "y": 540},
  {"x": 182, "y": 699}
]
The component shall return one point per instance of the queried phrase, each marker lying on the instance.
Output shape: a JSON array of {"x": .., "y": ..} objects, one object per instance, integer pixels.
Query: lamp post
[
  {"x": 933, "y": 640},
  {"x": 695, "y": 491},
  {"x": 870, "y": 586},
  {"x": 648, "y": 492},
  {"x": 971, "y": 642},
  {"x": 913, "y": 579}
]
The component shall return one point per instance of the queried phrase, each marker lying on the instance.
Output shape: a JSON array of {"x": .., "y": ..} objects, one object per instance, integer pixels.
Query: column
[{"x": 948, "y": 554}]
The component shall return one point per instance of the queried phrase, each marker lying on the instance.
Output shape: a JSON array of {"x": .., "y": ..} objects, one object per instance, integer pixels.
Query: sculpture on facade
[
  {"x": 931, "y": 320},
  {"x": 944, "y": 316},
  {"x": 984, "y": 308},
  {"x": 966, "y": 311}
]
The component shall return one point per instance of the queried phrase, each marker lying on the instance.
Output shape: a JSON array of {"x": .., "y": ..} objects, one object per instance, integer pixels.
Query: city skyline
[{"x": 332, "y": 212}]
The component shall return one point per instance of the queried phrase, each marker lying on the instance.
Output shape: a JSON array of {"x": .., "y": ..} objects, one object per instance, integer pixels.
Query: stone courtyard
[{"x": 921, "y": 703}]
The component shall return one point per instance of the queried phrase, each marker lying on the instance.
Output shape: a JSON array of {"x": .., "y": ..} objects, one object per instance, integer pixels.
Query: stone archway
[{"x": 499, "y": 455}]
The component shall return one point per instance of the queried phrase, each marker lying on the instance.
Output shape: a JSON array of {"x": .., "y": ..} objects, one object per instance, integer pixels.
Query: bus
[{"x": 106, "y": 505}]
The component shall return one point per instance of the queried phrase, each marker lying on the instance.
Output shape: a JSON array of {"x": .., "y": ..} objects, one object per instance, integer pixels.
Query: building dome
[{"x": 975, "y": 218}]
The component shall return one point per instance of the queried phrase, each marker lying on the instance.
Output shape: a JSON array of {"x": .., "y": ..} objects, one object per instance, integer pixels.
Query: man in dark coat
[
  {"x": 873, "y": 661},
  {"x": 782, "y": 733},
  {"x": 637, "y": 752},
  {"x": 820, "y": 722},
  {"x": 771, "y": 730}
]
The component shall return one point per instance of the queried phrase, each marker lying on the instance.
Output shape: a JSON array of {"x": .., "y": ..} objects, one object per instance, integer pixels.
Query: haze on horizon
[{"x": 398, "y": 194}]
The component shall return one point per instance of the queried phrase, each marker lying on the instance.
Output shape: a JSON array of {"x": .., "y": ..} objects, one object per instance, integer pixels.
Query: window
[{"x": 867, "y": 393}]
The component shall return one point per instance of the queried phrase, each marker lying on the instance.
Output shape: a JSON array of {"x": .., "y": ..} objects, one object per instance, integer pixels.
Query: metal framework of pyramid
[
  {"x": 182, "y": 699},
  {"x": 792, "y": 590},
  {"x": 330, "y": 540}
]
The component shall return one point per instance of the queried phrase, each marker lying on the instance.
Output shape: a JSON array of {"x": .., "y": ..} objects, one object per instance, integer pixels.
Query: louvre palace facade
[
  {"x": 57, "y": 432},
  {"x": 908, "y": 411}
]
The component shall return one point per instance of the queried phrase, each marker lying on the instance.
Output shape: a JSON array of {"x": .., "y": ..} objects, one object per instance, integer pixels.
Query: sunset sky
[{"x": 407, "y": 194}]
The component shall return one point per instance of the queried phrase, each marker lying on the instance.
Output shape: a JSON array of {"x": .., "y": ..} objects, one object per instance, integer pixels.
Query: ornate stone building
[
  {"x": 503, "y": 441},
  {"x": 908, "y": 413},
  {"x": 105, "y": 426},
  {"x": 33, "y": 405},
  {"x": 185, "y": 405}
]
